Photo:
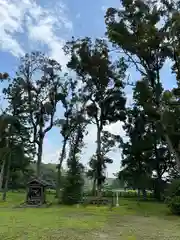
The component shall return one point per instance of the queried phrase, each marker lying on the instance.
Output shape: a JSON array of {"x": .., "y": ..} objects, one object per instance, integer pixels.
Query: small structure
[{"x": 36, "y": 194}]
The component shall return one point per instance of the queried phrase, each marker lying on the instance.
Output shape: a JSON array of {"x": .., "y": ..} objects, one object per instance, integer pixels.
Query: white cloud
[
  {"x": 46, "y": 26},
  {"x": 10, "y": 24}
]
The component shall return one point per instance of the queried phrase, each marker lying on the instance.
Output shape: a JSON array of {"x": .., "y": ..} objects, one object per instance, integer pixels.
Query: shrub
[
  {"x": 73, "y": 184},
  {"x": 72, "y": 191},
  {"x": 173, "y": 197},
  {"x": 174, "y": 189},
  {"x": 174, "y": 205},
  {"x": 125, "y": 194}
]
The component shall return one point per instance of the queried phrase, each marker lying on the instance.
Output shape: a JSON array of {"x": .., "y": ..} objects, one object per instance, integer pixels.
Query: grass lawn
[{"x": 146, "y": 221}]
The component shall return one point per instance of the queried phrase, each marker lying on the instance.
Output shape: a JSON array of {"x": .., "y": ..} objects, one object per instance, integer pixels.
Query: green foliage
[
  {"x": 147, "y": 35},
  {"x": 3, "y": 76},
  {"x": 108, "y": 143},
  {"x": 72, "y": 125},
  {"x": 174, "y": 205},
  {"x": 173, "y": 197},
  {"x": 102, "y": 82},
  {"x": 33, "y": 96},
  {"x": 153, "y": 121},
  {"x": 73, "y": 184},
  {"x": 73, "y": 187},
  {"x": 174, "y": 189},
  {"x": 140, "y": 29},
  {"x": 145, "y": 155}
]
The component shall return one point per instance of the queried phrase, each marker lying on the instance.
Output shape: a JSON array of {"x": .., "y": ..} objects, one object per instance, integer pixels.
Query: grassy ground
[{"x": 131, "y": 221}]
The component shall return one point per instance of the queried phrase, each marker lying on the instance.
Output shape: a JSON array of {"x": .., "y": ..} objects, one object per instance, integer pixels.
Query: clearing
[{"x": 131, "y": 221}]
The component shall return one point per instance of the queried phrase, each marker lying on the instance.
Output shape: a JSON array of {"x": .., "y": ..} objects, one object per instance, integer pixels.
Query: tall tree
[
  {"x": 73, "y": 187},
  {"x": 137, "y": 151},
  {"x": 74, "y": 115},
  {"x": 101, "y": 83},
  {"x": 35, "y": 93},
  {"x": 109, "y": 143},
  {"x": 11, "y": 146},
  {"x": 147, "y": 34},
  {"x": 146, "y": 157}
]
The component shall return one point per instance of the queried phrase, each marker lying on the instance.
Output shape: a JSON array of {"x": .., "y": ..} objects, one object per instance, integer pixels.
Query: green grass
[{"x": 131, "y": 221}]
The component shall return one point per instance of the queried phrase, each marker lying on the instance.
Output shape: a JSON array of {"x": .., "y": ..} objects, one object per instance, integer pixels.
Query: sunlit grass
[{"x": 132, "y": 220}]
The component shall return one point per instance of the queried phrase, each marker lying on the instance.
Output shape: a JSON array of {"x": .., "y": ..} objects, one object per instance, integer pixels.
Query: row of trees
[
  {"x": 140, "y": 34},
  {"x": 148, "y": 36}
]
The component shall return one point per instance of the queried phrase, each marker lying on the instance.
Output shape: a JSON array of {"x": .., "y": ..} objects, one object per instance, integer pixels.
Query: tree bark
[
  {"x": 99, "y": 160},
  {"x": 94, "y": 187},
  {"x": 144, "y": 193},
  {"x": 39, "y": 157},
  {"x": 6, "y": 178},
  {"x": 59, "y": 170},
  {"x": 157, "y": 188},
  {"x": 2, "y": 173},
  {"x": 3, "y": 165},
  {"x": 169, "y": 142},
  {"x": 173, "y": 151},
  {"x": 139, "y": 194}
]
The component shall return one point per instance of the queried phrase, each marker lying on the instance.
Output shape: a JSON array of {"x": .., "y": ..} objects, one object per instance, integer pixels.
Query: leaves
[
  {"x": 142, "y": 35},
  {"x": 4, "y": 76},
  {"x": 34, "y": 94},
  {"x": 102, "y": 81}
]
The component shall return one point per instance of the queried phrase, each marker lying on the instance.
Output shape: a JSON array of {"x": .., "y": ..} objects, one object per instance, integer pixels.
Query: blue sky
[{"x": 28, "y": 25}]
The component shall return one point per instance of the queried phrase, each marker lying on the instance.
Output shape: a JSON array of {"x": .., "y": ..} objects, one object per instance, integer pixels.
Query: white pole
[{"x": 117, "y": 199}]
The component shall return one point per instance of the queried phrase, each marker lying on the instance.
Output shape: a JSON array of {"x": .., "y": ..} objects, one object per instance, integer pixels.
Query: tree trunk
[
  {"x": 59, "y": 170},
  {"x": 6, "y": 178},
  {"x": 158, "y": 186},
  {"x": 173, "y": 151},
  {"x": 139, "y": 194},
  {"x": 169, "y": 142},
  {"x": 2, "y": 173},
  {"x": 157, "y": 191},
  {"x": 98, "y": 153},
  {"x": 39, "y": 157},
  {"x": 94, "y": 187},
  {"x": 144, "y": 193}
]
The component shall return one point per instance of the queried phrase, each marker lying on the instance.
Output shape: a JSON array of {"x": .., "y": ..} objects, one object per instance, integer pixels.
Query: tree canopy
[{"x": 139, "y": 34}]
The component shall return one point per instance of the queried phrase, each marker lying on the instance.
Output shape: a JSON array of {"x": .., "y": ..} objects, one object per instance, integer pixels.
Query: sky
[{"x": 45, "y": 26}]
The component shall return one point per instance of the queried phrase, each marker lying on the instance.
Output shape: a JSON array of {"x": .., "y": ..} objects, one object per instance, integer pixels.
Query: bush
[
  {"x": 174, "y": 189},
  {"x": 72, "y": 191},
  {"x": 174, "y": 205},
  {"x": 173, "y": 197},
  {"x": 73, "y": 184},
  {"x": 125, "y": 194}
]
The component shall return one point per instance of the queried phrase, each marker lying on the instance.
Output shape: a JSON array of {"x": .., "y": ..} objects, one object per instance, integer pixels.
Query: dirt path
[
  {"x": 139, "y": 228},
  {"x": 127, "y": 228}
]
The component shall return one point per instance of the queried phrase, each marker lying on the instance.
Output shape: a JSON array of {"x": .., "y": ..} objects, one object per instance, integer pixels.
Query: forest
[{"x": 92, "y": 89}]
